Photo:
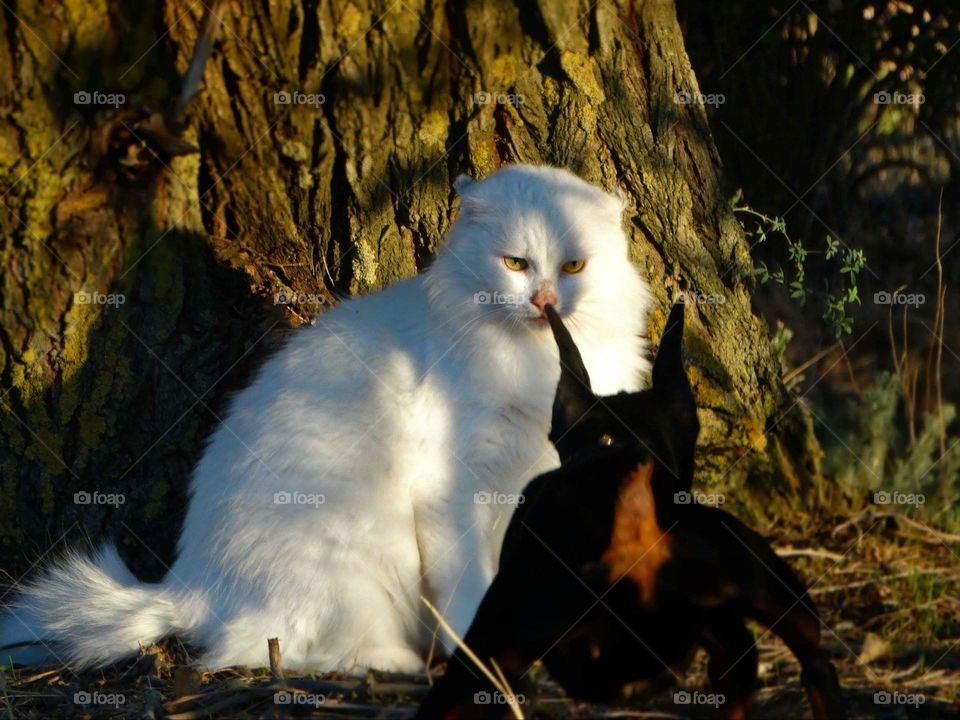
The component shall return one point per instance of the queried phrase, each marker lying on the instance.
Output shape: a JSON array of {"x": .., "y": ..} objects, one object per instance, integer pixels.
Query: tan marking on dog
[{"x": 638, "y": 545}]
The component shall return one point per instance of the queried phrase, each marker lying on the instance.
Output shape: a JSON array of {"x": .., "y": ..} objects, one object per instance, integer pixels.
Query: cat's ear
[
  {"x": 675, "y": 399},
  {"x": 470, "y": 204},
  {"x": 621, "y": 197},
  {"x": 462, "y": 184},
  {"x": 574, "y": 396}
]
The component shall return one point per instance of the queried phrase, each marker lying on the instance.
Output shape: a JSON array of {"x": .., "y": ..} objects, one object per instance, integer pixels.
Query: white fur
[{"x": 398, "y": 408}]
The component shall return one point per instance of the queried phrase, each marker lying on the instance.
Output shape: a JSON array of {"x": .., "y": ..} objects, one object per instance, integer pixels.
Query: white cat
[{"x": 372, "y": 458}]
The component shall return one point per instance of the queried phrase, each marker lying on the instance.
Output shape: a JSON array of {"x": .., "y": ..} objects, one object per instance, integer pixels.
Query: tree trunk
[{"x": 345, "y": 189}]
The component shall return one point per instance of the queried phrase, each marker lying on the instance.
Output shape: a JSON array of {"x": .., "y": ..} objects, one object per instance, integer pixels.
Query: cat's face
[
  {"x": 662, "y": 419},
  {"x": 528, "y": 237}
]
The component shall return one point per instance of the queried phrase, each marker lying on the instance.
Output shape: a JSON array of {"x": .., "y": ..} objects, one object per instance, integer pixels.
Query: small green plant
[
  {"x": 874, "y": 439},
  {"x": 904, "y": 436},
  {"x": 891, "y": 465},
  {"x": 926, "y": 590},
  {"x": 833, "y": 302}
]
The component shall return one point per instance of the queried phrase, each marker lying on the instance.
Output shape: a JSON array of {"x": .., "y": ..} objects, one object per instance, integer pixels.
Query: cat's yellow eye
[
  {"x": 515, "y": 263},
  {"x": 606, "y": 439},
  {"x": 572, "y": 267}
]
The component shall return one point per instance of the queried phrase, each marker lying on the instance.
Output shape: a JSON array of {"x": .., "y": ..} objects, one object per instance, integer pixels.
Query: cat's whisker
[{"x": 460, "y": 334}]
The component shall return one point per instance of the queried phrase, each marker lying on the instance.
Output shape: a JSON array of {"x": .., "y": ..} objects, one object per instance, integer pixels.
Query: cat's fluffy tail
[{"x": 87, "y": 611}]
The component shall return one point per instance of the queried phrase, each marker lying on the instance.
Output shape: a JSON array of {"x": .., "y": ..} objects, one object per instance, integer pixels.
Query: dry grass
[{"x": 888, "y": 592}]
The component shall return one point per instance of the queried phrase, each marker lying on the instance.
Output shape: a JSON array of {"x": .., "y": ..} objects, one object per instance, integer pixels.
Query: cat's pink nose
[{"x": 543, "y": 297}]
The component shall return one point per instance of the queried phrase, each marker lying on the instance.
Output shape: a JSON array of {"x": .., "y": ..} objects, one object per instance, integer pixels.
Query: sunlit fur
[{"x": 397, "y": 407}]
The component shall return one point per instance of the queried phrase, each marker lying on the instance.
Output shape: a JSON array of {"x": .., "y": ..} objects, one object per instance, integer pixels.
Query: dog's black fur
[{"x": 613, "y": 580}]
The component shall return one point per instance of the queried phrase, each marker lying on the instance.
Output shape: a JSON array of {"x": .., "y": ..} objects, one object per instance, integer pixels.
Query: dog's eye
[{"x": 606, "y": 439}]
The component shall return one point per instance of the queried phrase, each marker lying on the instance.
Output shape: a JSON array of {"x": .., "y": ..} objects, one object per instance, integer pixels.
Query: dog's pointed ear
[
  {"x": 674, "y": 395},
  {"x": 574, "y": 396},
  {"x": 668, "y": 365}
]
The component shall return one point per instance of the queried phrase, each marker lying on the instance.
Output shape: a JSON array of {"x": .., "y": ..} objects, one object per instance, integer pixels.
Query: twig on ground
[
  {"x": 883, "y": 579},
  {"x": 868, "y": 514},
  {"x": 788, "y": 551},
  {"x": 938, "y": 536},
  {"x": 273, "y": 651}
]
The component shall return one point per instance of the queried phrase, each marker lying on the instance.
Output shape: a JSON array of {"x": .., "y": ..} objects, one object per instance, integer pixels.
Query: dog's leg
[
  {"x": 799, "y": 627},
  {"x": 777, "y": 598},
  {"x": 782, "y": 604},
  {"x": 733, "y": 663}
]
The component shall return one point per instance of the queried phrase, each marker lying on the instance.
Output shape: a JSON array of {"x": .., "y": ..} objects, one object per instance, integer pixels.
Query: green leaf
[
  {"x": 832, "y": 247},
  {"x": 761, "y": 272}
]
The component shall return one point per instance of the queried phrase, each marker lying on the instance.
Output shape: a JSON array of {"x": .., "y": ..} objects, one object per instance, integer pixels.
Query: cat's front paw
[{"x": 391, "y": 659}]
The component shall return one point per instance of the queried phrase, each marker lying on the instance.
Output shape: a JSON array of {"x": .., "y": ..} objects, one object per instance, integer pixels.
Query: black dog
[{"x": 612, "y": 577}]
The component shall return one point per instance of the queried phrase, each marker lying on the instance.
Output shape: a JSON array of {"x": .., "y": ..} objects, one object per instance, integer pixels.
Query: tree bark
[{"x": 323, "y": 198}]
